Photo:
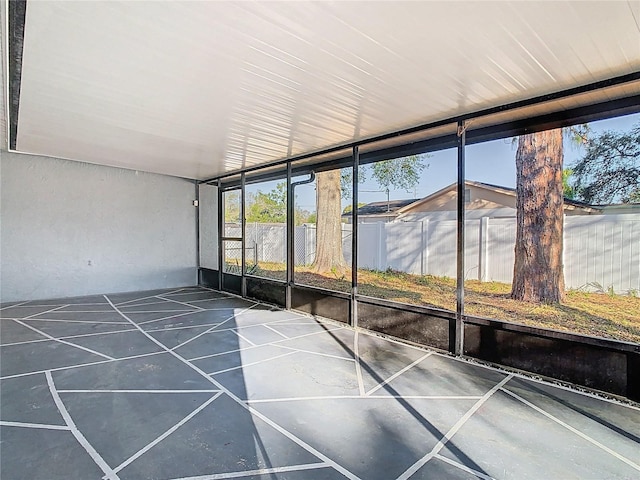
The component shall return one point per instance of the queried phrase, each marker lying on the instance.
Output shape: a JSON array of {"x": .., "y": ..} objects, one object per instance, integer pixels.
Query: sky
[{"x": 489, "y": 162}]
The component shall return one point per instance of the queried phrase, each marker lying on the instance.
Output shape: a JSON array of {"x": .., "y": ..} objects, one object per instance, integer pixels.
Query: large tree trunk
[
  {"x": 328, "y": 224},
  {"x": 538, "y": 273}
]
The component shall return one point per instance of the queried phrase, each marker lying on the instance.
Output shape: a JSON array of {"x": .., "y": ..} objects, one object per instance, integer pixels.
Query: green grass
[{"x": 604, "y": 314}]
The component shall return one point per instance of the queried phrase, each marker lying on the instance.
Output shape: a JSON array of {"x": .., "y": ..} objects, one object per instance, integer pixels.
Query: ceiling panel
[
  {"x": 605, "y": 95},
  {"x": 196, "y": 89}
]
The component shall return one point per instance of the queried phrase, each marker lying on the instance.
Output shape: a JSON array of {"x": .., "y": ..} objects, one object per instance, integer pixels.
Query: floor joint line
[
  {"x": 144, "y": 298},
  {"x": 211, "y": 329},
  {"x": 166, "y": 311},
  {"x": 181, "y": 303},
  {"x": 163, "y": 318},
  {"x": 210, "y": 299},
  {"x": 80, "y": 365},
  {"x": 273, "y": 344},
  {"x": 164, "y": 435},
  {"x": 358, "y": 397},
  {"x": 243, "y": 337},
  {"x": 83, "y": 311},
  {"x": 169, "y": 329},
  {"x": 17, "y": 305},
  {"x": 266, "y": 325},
  {"x": 26, "y": 342},
  {"x": 142, "y": 304},
  {"x": 245, "y": 405},
  {"x": 42, "y": 426},
  {"x": 572, "y": 429},
  {"x": 461, "y": 466},
  {"x": 113, "y": 332},
  {"x": 64, "y": 342},
  {"x": 397, "y": 374},
  {"x": 312, "y": 352},
  {"x": 138, "y": 391},
  {"x": 453, "y": 430},
  {"x": 244, "y": 365},
  {"x": 72, "y": 321},
  {"x": 261, "y": 471},
  {"x": 237, "y": 350},
  {"x": 46, "y": 311},
  {"x": 106, "y": 469}
]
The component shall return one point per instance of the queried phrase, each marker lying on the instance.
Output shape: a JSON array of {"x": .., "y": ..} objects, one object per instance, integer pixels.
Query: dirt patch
[{"x": 597, "y": 314}]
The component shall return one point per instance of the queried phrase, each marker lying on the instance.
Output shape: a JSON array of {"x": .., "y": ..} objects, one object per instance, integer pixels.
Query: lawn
[{"x": 597, "y": 314}]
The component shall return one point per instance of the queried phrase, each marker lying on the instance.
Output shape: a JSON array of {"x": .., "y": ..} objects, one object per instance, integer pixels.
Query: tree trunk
[
  {"x": 328, "y": 224},
  {"x": 538, "y": 272}
]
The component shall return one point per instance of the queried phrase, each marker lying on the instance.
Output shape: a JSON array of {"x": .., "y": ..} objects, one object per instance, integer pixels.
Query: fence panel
[
  {"x": 369, "y": 243},
  {"x": 500, "y": 255},
  {"x": 442, "y": 248},
  {"x": 274, "y": 243},
  {"x": 404, "y": 243},
  {"x": 346, "y": 242},
  {"x": 602, "y": 251},
  {"x": 472, "y": 242},
  {"x": 305, "y": 244},
  {"x": 599, "y": 250}
]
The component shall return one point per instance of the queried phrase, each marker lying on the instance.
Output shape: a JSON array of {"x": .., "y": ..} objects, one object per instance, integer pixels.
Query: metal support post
[
  {"x": 196, "y": 204},
  {"x": 220, "y": 234},
  {"x": 459, "y": 335},
  {"x": 243, "y": 254},
  {"x": 290, "y": 239},
  {"x": 354, "y": 238}
]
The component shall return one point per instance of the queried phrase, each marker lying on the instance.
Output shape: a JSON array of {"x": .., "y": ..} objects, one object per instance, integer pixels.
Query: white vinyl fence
[
  {"x": 266, "y": 242},
  {"x": 599, "y": 251}
]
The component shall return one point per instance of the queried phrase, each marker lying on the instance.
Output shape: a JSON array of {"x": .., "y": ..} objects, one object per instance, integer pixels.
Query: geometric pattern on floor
[{"x": 194, "y": 384}]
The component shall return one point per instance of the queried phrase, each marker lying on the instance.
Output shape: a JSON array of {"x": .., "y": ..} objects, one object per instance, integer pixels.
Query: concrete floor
[{"x": 194, "y": 384}]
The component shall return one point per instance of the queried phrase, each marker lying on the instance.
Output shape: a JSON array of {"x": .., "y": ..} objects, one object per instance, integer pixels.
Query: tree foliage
[
  {"x": 346, "y": 179},
  {"x": 609, "y": 170},
  {"x": 398, "y": 173},
  {"x": 271, "y": 207},
  {"x": 568, "y": 189},
  {"x": 401, "y": 173},
  {"x": 232, "y": 206}
]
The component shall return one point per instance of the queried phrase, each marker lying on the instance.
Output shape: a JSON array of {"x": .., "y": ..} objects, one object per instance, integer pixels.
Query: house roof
[
  {"x": 621, "y": 207},
  {"x": 383, "y": 208},
  {"x": 568, "y": 203}
]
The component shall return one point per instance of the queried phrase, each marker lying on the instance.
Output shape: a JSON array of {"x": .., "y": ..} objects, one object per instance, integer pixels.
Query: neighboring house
[
  {"x": 379, "y": 211},
  {"x": 481, "y": 200},
  {"x": 617, "y": 208}
]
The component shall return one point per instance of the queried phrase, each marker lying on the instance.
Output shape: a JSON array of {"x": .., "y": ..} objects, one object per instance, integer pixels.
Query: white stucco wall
[
  {"x": 208, "y": 226},
  {"x": 70, "y": 228}
]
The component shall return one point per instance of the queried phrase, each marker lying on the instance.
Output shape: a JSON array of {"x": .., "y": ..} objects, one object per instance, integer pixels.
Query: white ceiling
[{"x": 196, "y": 89}]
